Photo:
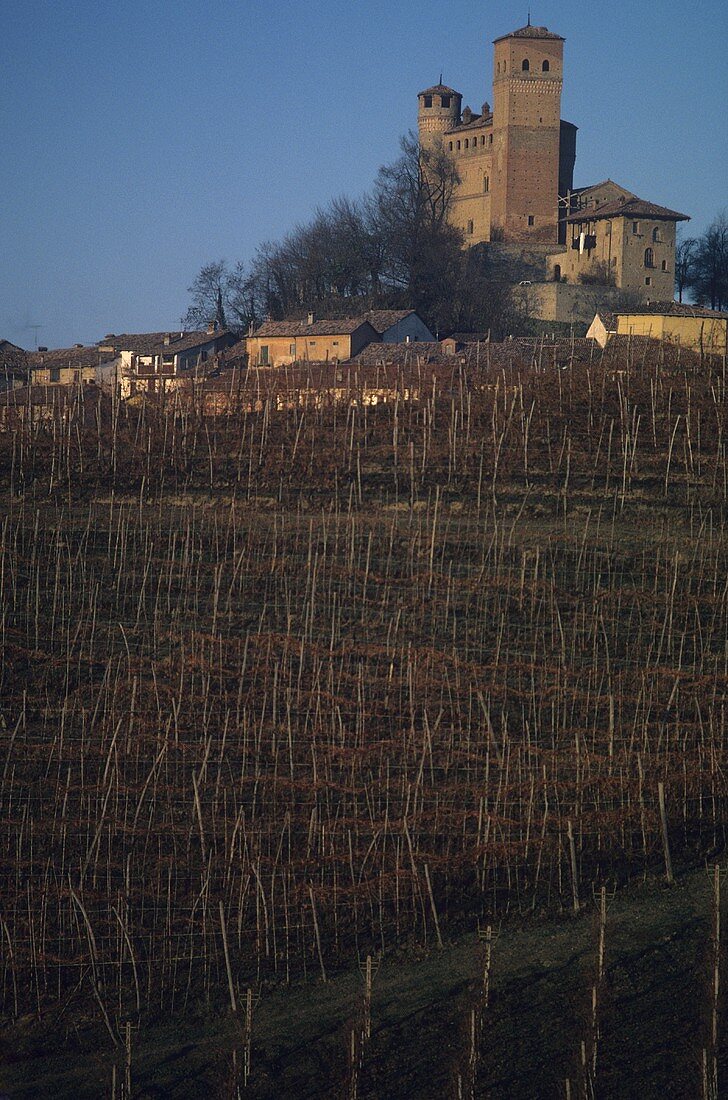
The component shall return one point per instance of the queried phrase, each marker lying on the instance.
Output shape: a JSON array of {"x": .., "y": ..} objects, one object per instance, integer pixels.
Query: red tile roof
[
  {"x": 531, "y": 32},
  {"x": 632, "y": 208}
]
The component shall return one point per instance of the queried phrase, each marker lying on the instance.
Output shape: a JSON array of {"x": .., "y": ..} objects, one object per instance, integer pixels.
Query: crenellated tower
[
  {"x": 527, "y": 83},
  {"x": 439, "y": 112}
]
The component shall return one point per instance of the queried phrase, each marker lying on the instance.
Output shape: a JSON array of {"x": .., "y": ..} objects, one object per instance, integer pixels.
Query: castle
[{"x": 516, "y": 163}]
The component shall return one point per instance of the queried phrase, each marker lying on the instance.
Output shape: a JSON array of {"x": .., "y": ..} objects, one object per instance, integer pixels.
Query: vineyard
[{"x": 306, "y": 684}]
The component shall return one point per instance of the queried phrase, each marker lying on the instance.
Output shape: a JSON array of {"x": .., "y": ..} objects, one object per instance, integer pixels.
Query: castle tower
[
  {"x": 439, "y": 111},
  {"x": 527, "y": 82}
]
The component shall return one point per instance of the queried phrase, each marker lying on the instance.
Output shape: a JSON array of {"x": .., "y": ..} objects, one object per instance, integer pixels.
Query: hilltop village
[{"x": 595, "y": 259}]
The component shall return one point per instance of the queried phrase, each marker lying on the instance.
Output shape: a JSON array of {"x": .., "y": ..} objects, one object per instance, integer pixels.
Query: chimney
[
  {"x": 311, "y": 319},
  {"x": 467, "y": 116},
  {"x": 42, "y": 348},
  {"x": 78, "y": 345},
  {"x": 167, "y": 339}
]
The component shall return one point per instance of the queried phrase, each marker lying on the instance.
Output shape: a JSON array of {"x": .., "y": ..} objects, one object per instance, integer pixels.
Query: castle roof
[
  {"x": 531, "y": 32},
  {"x": 632, "y": 208},
  {"x": 477, "y": 122},
  {"x": 440, "y": 89}
]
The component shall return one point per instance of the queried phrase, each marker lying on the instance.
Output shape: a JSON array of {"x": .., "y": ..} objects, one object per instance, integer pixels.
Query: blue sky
[{"x": 142, "y": 139}]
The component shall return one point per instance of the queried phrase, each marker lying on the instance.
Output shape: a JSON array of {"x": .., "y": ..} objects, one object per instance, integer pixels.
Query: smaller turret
[{"x": 439, "y": 111}]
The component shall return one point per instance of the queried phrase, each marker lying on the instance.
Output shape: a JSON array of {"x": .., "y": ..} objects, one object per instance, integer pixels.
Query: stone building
[
  {"x": 516, "y": 163},
  {"x": 516, "y": 158}
]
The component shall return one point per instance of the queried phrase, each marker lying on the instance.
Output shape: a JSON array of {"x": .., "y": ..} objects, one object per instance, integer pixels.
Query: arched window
[
  {"x": 458, "y": 145},
  {"x": 451, "y": 147},
  {"x": 482, "y": 140},
  {"x": 486, "y": 184},
  {"x": 557, "y": 273},
  {"x": 545, "y": 67},
  {"x": 526, "y": 66},
  {"x": 649, "y": 258},
  {"x": 467, "y": 143}
]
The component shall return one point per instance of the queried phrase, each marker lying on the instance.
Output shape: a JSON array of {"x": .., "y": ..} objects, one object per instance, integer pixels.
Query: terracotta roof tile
[
  {"x": 632, "y": 208},
  {"x": 531, "y": 32},
  {"x": 344, "y": 326}
]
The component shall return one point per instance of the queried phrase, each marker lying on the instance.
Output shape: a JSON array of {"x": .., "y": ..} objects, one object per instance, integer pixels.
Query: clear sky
[{"x": 142, "y": 138}]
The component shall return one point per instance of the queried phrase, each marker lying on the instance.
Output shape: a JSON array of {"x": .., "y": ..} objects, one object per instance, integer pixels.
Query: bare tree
[
  {"x": 222, "y": 295},
  {"x": 684, "y": 263},
  {"x": 710, "y": 265}
]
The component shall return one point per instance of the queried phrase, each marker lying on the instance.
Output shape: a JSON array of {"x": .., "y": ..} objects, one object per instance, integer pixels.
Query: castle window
[
  {"x": 451, "y": 147},
  {"x": 635, "y": 228},
  {"x": 526, "y": 66},
  {"x": 486, "y": 184},
  {"x": 656, "y": 234},
  {"x": 557, "y": 273},
  {"x": 446, "y": 101},
  {"x": 531, "y": 219},
  {"x": 648, "y": 281},
  {"x": 470, "y": 228},
  {"x": 466, "y": 143},
  {"x": 664, "y": 265},
  {"x": 458, "y": 144},
  {"x": 649, "y": 258},
  {"x": 482, "y": 140},
  {"x": 491, "y": 139},
  {"x": 428, "y": 101},
  {"x": 545, "y": 67}
]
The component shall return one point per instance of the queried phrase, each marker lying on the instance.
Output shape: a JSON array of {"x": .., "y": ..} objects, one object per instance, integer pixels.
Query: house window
[
  {"x": 312, "y": 343},
  {"x": 264, "y": 355},
  {"x": 470, "y": 228},
  {"x": 428, "y": 101},
  {"x": 526, "y": 66},
  {"x": 446, "y": 101},
  {"x": 335, "y": 343},
  {"x": 545, "y": 67},
  {"x": 635, "y": 228},
  {"x": 656, "y": 235},
  {"x": 55, "y": 374},
  {"x": 649, "y": 258},
  {"x": 292, "y": 350},
  {"x": 531, "y": 219},
  {"x": 486, "y": 184}
]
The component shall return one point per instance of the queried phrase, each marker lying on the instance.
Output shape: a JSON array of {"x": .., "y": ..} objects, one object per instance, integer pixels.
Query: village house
[
  {"x": 13, "y": 366},
  {"x": 399, "y": 326},
  {"x": 74, "y": 366},
  {"x": 692, "y": 327},
  {"x": 278, "y": 343},
  {"x": 154, "y": 362}
]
